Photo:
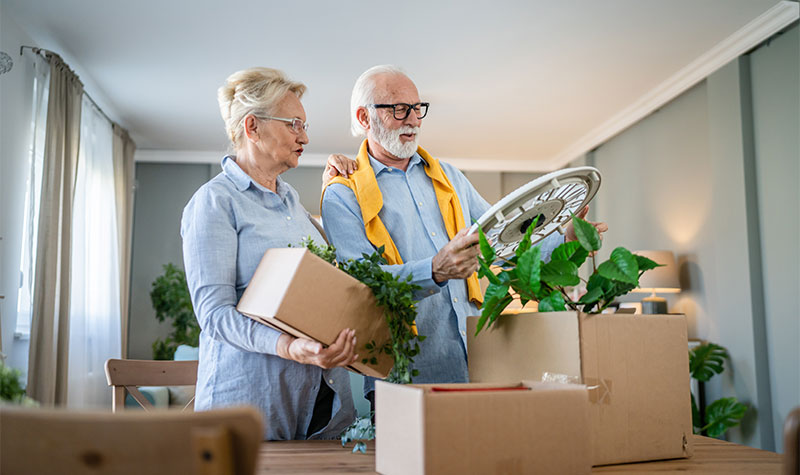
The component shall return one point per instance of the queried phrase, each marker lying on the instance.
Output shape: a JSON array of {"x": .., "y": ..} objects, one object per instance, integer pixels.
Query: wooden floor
[{"x": 710, "y": 456}]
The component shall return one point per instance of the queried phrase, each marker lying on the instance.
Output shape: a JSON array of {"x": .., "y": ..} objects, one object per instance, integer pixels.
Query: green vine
[{"x": 171, "y": 301}]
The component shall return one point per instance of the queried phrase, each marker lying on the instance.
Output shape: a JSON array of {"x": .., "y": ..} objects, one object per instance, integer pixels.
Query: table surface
[{"x": 328, "y": 456}]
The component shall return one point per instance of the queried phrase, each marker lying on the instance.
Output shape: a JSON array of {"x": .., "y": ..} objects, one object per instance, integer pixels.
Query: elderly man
[{"x": 419, "y": 209}]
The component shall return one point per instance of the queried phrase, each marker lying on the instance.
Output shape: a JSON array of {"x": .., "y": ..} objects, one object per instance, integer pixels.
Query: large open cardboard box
[
  {"x": 296, "y": 292},
  {"x": 460, "y": 430},
  {"x": 635, "y": 366}
]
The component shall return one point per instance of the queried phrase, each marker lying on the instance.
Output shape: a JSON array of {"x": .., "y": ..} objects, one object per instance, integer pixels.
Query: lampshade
[{"x": 661, "y": 279}]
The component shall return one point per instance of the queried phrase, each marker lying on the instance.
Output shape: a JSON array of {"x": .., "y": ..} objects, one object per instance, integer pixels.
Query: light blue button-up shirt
[
  {"x": 226, "y": 227},
  {"x": 411, "y": 215}
]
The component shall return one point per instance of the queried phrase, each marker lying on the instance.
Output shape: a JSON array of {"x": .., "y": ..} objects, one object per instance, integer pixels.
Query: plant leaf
[
  {"x": 525, "y": 243},
  {"x": 591, "y": 296},
  {"x": 529, "y": 268},
  {"x": 552, "y": 303},
  {"x": 621, "y": 266},
  {"x": 707, "y": 360},
  {"x": 485, "y": 271},
  {"x": 560, "y": 273},
  {"x": 487, "y": 251},
  {"x": 723, "y": 414},
  {"x": 492, "y": 299},
  {"x": 586, "y": 233},
  {"x": 570, "y": 251},
  {"x": 645, "y": 263}
]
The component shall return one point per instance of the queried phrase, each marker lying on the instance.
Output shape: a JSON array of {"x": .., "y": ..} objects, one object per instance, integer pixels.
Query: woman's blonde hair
[{"x": 252, "y": 91}]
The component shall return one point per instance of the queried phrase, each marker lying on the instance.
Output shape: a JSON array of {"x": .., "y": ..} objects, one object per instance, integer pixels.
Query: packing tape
[
  {"x": 599, "y": 390},
  {"x": 560, "y": 378}
]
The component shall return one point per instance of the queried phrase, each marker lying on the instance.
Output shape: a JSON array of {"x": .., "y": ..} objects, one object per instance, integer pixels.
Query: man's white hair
[{"x": 364, "y": 94}]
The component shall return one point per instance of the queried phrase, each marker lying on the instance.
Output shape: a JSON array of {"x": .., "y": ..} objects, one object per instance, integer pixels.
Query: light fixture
[{"x": 661, "y": 280}]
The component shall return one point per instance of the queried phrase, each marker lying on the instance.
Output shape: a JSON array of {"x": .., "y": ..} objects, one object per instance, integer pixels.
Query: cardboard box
[
  {"x": 421, "y": 429},
  {"x": 635, "y": 366},
  {"x": 296, "y": 292}
]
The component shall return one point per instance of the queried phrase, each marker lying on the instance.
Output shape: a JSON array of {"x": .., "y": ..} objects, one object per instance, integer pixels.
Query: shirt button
[
  {"x": 288, "y": 218},
  {"x": 432, "y": 292},
  {"x": 463, "y": 333},
  {"x": 455, "y": 299},
  {"x": 433, "y": 234},
  {"x": 419, "y": 203},
  {"x": 330, "y": 381}
]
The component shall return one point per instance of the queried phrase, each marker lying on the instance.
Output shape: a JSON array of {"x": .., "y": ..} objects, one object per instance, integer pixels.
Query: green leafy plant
[
  {"x": 11, "y": 390},
  {"x": 527, "y": 277},
  {"x": 706, "y": 361},
  {"x": 171, "y": 301},
  {"x": 396, "y": 297}
]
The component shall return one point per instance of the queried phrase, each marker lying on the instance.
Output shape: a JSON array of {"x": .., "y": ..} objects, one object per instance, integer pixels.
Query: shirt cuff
[
  {"x": 423, "y": 276},
  {"x": 267, "y": 339}
]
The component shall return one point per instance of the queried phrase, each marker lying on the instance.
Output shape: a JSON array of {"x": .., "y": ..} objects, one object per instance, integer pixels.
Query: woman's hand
[
  {"x": 338, "y": 165},
  {"x": 301, "y": 350}
]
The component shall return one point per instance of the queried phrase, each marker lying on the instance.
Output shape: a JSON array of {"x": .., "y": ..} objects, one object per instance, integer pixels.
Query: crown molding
[{"x": 751, "y": 35}]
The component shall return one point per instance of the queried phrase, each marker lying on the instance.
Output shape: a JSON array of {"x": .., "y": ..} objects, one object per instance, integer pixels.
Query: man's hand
[
  {"x": 301, "y": 350},
  {"x": 338, "y": 165},
  {"x": 458, "y": 259},
  {"x": 570, "y": 234}
]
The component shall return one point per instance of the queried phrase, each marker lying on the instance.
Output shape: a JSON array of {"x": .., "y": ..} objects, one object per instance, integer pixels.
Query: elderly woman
[{"x": 300, "y": 387}]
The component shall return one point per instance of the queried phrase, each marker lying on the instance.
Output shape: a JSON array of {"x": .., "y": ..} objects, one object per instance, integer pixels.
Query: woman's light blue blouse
[{"x": 227, "y": 226}]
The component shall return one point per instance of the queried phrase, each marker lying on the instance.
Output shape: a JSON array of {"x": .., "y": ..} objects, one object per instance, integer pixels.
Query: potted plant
[
  {"x": 172, "y": 302},
  {"x": 705, "y": 361},
  {"x": 11, "y": 390},
  {"x": 525, "y": 276}
]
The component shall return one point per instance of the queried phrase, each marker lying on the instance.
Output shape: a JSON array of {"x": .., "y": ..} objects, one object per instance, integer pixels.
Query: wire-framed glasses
[
  {"x": 401, "y": 110},
  {"x": 297, "y": 124}
]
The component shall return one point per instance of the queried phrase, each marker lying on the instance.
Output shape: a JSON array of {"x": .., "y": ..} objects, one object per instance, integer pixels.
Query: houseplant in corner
[
  {"x": 171, "y": 301},
  {"x": 705, "y": 361}
]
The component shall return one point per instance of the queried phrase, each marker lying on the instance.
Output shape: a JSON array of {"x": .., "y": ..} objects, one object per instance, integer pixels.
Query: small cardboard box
[
  {"x": 635, "y": 366},
  {"x": 481, "y": 428},
  {"x": 298, "y": 293}
]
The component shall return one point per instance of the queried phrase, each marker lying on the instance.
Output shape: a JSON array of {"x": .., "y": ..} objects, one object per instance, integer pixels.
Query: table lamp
[{"x": 661, "y": 280}]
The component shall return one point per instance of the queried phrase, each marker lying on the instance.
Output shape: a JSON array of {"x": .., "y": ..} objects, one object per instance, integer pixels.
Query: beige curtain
[
  {"x": 49, "y": 344},
  {"x": 124, "y": 148}
]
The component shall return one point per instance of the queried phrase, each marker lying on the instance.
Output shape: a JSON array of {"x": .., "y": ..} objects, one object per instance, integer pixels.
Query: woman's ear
[{"x": 251, "y": 127}]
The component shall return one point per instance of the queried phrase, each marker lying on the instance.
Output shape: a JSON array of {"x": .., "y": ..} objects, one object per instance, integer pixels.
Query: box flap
[
  {"x": 272, "y": 286},
  {"x": 399, "y": 421},
  {"x": 551, "y": 345}
]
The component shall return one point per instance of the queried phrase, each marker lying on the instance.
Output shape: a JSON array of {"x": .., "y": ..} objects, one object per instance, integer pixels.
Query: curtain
[
  {"x": 123, "y": 150},
  {"x": 95, "y": 291},
  {"x": 49, "y": 343},
  {"x": 33, "y": 189}
]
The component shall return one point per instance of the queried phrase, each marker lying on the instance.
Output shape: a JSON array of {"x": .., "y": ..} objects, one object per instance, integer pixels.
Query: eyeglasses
[
  {"x": 297, "y": 124},
  {"x": 401, "y": 110}
]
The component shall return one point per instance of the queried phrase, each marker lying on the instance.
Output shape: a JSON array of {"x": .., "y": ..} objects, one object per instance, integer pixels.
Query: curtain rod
[{"x": 88, "y": 96}]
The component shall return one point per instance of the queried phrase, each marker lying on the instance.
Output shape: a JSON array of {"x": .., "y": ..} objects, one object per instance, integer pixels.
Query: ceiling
[{"x": 522, "y": 85}]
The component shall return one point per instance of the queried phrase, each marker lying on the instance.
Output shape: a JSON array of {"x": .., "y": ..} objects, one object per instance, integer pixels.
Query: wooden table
[{"x": 710, "y": 456}]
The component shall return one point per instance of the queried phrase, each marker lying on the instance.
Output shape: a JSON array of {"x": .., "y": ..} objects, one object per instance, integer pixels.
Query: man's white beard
[{"x": 390, "y": 139}]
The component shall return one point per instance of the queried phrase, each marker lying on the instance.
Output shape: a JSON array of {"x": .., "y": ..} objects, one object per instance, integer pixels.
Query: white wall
[{"x": 16, "y": 89}]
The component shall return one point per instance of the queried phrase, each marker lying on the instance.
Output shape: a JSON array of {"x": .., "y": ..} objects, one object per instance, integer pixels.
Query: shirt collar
[
  {"x": 378, "y": 167},
  {"x": 242, "y": 180}
]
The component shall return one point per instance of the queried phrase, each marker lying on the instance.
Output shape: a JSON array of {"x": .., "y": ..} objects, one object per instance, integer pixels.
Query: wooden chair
[
  {"x": 127, "y": 375},
  {"x": 791, "y": 443},
  {"x": 224, "y": 441}
]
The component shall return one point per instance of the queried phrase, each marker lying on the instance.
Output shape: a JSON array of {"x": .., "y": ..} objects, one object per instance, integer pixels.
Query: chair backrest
[
  {"x": 127, "y": 375},
  {"x": 224, "y": 441},
  {"x": 791, "y": 443}
]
